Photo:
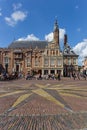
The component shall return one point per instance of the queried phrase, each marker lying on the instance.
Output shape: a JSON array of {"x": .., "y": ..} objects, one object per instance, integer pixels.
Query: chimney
[{"x": 65, "y": 39}]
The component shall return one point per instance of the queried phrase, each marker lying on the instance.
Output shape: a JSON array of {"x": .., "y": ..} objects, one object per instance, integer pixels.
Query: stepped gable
[
  {"x": 28, "y": 44},
  {"x": 68, "y": 51}
]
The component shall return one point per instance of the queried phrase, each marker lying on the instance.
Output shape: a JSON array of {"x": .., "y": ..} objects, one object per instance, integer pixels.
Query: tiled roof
[{"x": 28, "y": 44}]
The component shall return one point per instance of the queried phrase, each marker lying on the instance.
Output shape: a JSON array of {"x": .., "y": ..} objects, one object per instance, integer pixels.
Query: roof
[
  {"x": 68, "y": 51},
  {"x": 28, "y": 44}
]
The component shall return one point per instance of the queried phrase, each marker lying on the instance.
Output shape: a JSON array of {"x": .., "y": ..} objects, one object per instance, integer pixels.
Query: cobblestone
[{"x": 67, "y": 121}]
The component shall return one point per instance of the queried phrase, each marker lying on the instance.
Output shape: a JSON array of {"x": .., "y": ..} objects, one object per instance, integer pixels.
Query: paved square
[{"x": 35, "y": 104}]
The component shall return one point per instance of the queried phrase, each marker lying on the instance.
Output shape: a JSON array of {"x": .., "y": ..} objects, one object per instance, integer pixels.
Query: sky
[{"x": 34, "y": 20}]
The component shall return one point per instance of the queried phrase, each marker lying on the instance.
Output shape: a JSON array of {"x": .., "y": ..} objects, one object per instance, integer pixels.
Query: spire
[
  {"x": 55, "y": 25},
  {"x": 56, "y": 33}
]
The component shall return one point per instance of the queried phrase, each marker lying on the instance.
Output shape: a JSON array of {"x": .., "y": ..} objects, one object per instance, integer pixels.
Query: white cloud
[
  {"x": 0, "y": 14},
  {"x": 62, "y": 32},
  {"x": 81, "y": 50},
  {"x": 49, "y": 37},
  {"x": 30, "y": 37},
  {"x": 16, "y": 17},
  {"x": 17, "y": 6}
]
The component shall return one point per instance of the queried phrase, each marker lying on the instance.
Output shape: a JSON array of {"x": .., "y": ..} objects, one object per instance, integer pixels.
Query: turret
[
  {"x": 56, "y": 33},
  {"x": 65, "y": 39}
]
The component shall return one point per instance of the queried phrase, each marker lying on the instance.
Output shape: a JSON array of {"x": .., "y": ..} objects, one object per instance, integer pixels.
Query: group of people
[
  {"x": 28, "y": 76},
  {"x": 78, "y": 75},
  {"x": 40, "y": 76},
  {"x": 7, "y": 76}
]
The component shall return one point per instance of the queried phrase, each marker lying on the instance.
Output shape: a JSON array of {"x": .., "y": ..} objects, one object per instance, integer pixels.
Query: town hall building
[{"x": 39, "y": 56}]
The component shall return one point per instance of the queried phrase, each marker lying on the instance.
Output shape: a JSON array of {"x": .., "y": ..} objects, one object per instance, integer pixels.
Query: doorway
[{"x": 17, "y": 67}]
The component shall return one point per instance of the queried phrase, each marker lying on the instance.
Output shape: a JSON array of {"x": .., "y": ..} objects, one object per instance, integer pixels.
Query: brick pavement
[
  {"x": 67, "y": 121},
  {"x": 43, "y": 104}
]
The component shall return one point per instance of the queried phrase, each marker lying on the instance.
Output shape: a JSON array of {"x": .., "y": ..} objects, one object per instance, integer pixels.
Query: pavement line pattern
[
  {"x": 74, "y": 94},
  {"x": 58, "y": 85},
  {"x": 69, "y": 88},
  {"x": 51, "y": 92},
  {"x": 70, "y": 94},
  {"x": 41, "y": 86},
  {"x": 12, "y": 93},
  {"x": 21, "y": 99},
  {"x": 46, "y": 95},
  {"x": 17, "y": 85}
]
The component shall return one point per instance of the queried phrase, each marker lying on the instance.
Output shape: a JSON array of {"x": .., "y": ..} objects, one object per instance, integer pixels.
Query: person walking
[
  {"x": 59, "y": 78},
  {"x": 74, "y": 76},
  {"x": 78, "y": 75}
]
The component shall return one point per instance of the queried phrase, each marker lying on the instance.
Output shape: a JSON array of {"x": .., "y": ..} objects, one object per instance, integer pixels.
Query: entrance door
[{"x": 17, "y": 68}]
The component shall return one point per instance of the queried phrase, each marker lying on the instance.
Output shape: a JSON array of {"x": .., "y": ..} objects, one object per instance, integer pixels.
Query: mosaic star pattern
[
  {"x": 53, "y": 93},
  {"x": 43, "y": 105}
]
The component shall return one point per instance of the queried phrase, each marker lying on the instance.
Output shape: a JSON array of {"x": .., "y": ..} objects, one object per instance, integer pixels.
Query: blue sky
[{"x": 34, "y": 20}]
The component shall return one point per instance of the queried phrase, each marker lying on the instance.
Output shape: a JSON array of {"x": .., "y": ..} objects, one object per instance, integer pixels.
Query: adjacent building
[
  {"x": 85, "y": 66},
  {"x": 39, "y": 56},
  {"x": 70, "y": 59}
]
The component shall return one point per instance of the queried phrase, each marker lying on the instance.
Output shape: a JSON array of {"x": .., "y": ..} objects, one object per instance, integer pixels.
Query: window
[
  {"x": 52, "y": 71},
  {"x": 19, "y": 55},
  {"x": 69, "y": 61},
  {"x": 74, "y": 61},
  {"x": 47, "y": 52},
  {"x": 64, "y": 61},
  {"x": 46, "y": 61},
  {"x": 6, "y": 60},
  {"x": 28, "y": 64},
  {"x": 52, "y": 62},
  {"x": 59, "y": 62},
  {"x": 36, "y": 62},
  {"x": 45, "y": 72}
]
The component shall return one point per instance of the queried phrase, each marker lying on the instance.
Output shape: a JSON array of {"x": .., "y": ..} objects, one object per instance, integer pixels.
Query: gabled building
[
  {"x": 53, "y": 56},
  {"x": 70, "y": 59},
  {"x": 39, "y": 56}
]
